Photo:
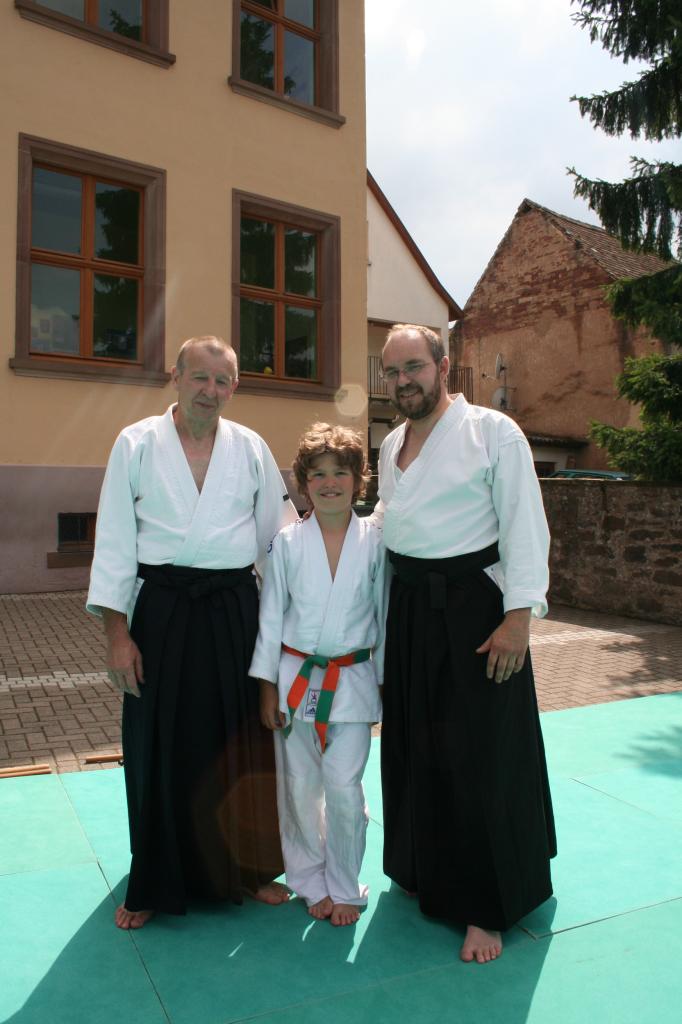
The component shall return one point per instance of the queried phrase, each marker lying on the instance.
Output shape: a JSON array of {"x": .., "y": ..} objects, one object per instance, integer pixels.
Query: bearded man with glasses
[{"x": 468, "y": 822}]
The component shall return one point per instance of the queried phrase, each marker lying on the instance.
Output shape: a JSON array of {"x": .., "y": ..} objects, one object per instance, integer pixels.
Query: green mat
[{"x": 606, "y": 947}]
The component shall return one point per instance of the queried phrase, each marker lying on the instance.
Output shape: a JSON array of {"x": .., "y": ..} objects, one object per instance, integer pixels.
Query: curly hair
[{"x": 341, "y": 442}]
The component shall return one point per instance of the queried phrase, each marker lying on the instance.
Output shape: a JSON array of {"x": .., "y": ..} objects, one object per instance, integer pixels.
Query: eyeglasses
[{"x": 411, "y": 370}]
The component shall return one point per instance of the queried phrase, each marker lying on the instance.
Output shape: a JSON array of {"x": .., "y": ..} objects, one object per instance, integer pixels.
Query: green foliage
[
  {"x": 122, "y": 27},
  {"x": 643, "y": 29},
  {"x": 653, "y": 453},
  {"x": 644, "y": 211},
  {"x": 650, "y": 106},
  {"x": 655, "y": 382},
  {"x": 654, "y": 300}
]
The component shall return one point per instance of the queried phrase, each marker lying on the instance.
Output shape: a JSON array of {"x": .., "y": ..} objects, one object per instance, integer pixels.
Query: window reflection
[
  {"x": 257, "y": 51},
  {"x": 257, "y": 253},
  {"x": 117, "y": 218},
  {"x": 257, "y": 337},
  {"x": 115, "y": 323},
  {"x": 300, "y": 343},
  {"x": 279, "y": 336},
  {"x": 122, "y": 16},
  {"x": 55, "y": 310},
  {"x": 56, "y": 211},
  {"x": 300, "y": 249},
  {"x": 302, "y": 11},
  {"x": 299, "y": 68},
  {"x": 74, "y": 8}
]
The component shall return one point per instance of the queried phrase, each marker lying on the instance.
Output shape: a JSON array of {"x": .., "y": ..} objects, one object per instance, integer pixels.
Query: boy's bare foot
[
  {"x": 480, "y": 945},
  {"x": 322, "y": 909},
  {"x": 344, "y": 913},
  {"x": 124, "y": 918},
  {"x": 273, "y": 893}
]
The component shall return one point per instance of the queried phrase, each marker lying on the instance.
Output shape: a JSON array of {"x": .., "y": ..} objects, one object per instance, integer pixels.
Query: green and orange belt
[{"x": 329, "y": 684}]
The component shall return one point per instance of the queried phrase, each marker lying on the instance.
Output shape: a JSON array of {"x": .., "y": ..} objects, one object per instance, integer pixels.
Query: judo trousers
[
  {"x": 468, "y": 821},
  {"x": 322, "y": 810},
  {"x": 199, "y": 767}
]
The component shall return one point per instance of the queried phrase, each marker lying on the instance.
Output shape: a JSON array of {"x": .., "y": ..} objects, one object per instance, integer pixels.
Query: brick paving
[{"x": 57, "y": 706}]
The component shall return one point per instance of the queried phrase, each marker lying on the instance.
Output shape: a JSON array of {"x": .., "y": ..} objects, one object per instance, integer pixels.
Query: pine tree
[{"x": 644, "y": 211}]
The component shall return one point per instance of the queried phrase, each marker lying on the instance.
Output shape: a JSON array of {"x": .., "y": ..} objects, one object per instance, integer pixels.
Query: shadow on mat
[
  {"x": 659, "y": 753},
  {"x": 439, "y": 985},
  {"x": 219, "y": 963},
  {"x": 651, "y": 660},
  {"x": 95, "y": 977},
  {"x": 227, "y": 963}
]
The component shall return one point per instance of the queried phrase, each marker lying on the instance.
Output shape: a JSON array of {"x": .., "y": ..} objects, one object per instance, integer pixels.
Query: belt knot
[{"x": 329, "y": 684}]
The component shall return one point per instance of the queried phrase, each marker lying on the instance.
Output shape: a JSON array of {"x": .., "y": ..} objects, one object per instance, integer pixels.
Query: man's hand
[
  {"x": 270, "y": 715},
  {"x": 124, "y": 661},
  {"x": 506, "y": 647}
]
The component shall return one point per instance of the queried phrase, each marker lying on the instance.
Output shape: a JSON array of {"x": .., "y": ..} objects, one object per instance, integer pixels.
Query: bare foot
[
  {"x": 322, "y": 909},
  {"x": 124, "y": 918},
  {"x": 344, "y": 913},
  {"x": 272, "y": 893},
  {"x": 480, "y": 945}
]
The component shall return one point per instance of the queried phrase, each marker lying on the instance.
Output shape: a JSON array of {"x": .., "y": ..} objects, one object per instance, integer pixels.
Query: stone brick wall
[{"x": 616, "y": 547}]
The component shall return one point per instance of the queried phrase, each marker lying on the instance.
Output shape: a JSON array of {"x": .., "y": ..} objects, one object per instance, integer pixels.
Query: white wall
[{"x": 397, "y": 290}]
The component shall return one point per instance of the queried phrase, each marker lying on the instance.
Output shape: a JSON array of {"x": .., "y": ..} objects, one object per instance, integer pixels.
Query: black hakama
[
  {"x": 468, "y": 820},
  {"x": 199, "y": 766}
]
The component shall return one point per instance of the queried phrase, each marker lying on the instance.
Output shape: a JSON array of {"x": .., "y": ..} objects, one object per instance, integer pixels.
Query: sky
[{"x": 468, "y": 114}]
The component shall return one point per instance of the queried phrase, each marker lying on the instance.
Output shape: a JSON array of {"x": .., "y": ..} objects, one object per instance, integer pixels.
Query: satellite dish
[
  {"x": 499, "y": 366},
  {"x": 499, "y": 399}
]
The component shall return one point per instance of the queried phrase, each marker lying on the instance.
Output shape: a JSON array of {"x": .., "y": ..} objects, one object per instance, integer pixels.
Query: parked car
[{"x": 590, "y": 474}]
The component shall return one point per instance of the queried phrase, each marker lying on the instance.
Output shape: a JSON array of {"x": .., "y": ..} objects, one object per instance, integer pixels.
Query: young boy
[{"x": 319, "y": 659}]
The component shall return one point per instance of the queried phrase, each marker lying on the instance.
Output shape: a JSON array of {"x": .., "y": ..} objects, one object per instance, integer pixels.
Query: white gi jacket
[
  {"x": 150, "y": 509},
  {"x": 304, "y": 608},
  {"x": 472, "y": 484}
]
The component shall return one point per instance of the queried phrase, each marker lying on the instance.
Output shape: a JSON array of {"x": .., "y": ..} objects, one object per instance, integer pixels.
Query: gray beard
[{"x": 429, "y": 401}]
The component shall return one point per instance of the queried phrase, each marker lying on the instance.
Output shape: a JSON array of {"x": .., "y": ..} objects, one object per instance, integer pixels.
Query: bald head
[
  {"x": 216, "y": 346},
  {"x": 417, "y": 331}
]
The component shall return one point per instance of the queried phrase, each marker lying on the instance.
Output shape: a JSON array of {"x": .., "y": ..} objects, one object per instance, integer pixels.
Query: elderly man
[
  {"x": 468, "y": 821},
  {"x": 189, "y": 502}
]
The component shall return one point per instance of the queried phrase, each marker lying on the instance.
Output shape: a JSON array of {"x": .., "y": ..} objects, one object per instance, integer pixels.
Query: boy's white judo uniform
[{"x": 322, "y": 811}]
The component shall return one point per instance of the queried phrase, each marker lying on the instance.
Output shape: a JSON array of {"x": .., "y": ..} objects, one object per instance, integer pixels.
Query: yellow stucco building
[{"x": 170, "y": 169}]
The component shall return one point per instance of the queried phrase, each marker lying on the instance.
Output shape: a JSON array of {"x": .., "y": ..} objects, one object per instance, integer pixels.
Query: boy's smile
[{"x": 330, "y": 485}]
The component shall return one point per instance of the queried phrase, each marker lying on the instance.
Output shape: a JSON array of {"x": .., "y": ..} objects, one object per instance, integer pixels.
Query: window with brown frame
[
  {"x": 286, "y": 297},
  {"x": 138, "y": 28},
  {"x": 90, "y": 261},
  {"x": 287, "y": 53},
  {"x": 75, "y": 540},
  {"x": 76, "y": 531}
]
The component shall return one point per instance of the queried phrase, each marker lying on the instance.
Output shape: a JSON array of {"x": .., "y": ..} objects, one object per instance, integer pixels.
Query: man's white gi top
[
  {"x": 472, "y": 484},
  {"x": 151, "y": 511},
  {"x": 304, "y": 608}
]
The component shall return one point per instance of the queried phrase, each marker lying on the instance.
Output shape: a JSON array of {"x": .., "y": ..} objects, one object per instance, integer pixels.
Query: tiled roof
[
  {"x": 555, "y": 441},
  {"x": 604, "y": 248}
]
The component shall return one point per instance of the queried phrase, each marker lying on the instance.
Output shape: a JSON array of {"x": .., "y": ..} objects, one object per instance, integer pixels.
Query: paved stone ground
[{"x": 57, "y": 706}]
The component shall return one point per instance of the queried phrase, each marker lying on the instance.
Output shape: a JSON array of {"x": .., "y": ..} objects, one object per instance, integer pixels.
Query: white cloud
[
  {"x": 468, "y": 112},
  {"x": 415, "y": 44}
]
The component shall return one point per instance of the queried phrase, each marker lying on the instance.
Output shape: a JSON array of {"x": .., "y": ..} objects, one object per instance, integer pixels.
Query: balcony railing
[{"x": 460, "y": 378}]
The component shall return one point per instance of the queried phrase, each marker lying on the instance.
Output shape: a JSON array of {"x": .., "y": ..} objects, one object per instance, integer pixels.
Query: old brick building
[{"x": 540, "y": 307}]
